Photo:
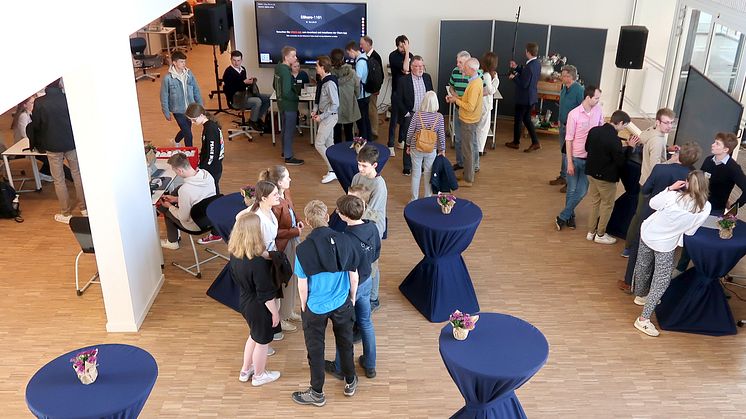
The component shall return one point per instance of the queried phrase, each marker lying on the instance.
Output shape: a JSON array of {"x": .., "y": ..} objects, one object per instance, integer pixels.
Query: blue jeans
[
  {"x": 185, "y": 129},
  {"x": 365, "y": 324},
  {"x": 577, "y": 187},
  {"x": 258, "y": 106},
  {"x": 563, "y": 166},
  {"x": 457, "y": 137},
  {"x": 289, "y": 120}
]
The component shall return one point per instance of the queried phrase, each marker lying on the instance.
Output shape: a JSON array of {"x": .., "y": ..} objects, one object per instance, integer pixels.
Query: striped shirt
[
  {"x": 429, "y": 119},
  {"x": 419, "y": 90},
  {"x": 460, "y": 81}
]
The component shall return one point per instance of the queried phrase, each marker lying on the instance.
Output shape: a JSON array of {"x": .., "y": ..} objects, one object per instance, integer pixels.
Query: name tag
[{"x": 707, "y": 175}]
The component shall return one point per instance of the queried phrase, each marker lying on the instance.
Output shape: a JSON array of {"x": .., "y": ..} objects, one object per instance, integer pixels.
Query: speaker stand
[
  {"x": 624, "y": 88},
  {"x": 217, "y": 90}
]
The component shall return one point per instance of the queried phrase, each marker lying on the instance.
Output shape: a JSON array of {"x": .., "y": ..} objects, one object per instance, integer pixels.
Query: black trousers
[
  {"x": 338, "y": 130},
  {"x": 314, "y": 330},
  {"x": 404, "y": 127},
  {"x": 523, "y": 115}
]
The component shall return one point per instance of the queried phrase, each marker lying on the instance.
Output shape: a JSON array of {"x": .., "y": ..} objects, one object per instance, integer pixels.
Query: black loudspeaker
[
  {"x": 212, "y": 24},
  {"x": 631, "y": 49}
]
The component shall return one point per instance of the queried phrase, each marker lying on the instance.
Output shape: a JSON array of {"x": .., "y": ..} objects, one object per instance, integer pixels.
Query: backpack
[
  {"x": 375, "y": 76},
  {"x": 9, "y": 207},
  {"x": 425, "y": 138}
]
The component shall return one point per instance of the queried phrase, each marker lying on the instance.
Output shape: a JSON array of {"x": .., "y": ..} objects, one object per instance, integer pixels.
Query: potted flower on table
[
  {"x": 358, "y": 143},
  {"x": 248, "y": 193},
  {"x": 85, "y": 365},
  {"x": 446, "y": 202},
  {"x": 462, "y": 323},
  {"x": 726, "y": 224}
]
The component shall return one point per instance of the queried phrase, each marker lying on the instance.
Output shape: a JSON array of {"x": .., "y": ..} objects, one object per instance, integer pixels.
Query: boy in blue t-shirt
[{"x": 326, "y": 265}]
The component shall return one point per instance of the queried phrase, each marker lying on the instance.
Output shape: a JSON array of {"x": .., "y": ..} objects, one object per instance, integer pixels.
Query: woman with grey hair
[{"x": 426, "y": 122}]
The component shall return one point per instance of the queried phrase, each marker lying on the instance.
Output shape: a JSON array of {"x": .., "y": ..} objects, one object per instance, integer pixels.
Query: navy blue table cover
[
  {"x": 626, "y": 204},
  {"x": 440, "y": 283},
  {"x": 498, "y": 357},
  {"x": 343, "y": 160},
  {"x": 126, "y": 375},
  {"x": 222, "y": 213},
  {"x": 695, "y": 301}
]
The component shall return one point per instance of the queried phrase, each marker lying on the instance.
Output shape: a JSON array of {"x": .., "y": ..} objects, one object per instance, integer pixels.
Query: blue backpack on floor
[{"x": 9, "y": 206}]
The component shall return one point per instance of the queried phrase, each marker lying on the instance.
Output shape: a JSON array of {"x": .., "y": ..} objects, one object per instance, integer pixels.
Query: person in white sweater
[
  {"x": 680, "y": 209},
  {"x": 488, "y": 64}
]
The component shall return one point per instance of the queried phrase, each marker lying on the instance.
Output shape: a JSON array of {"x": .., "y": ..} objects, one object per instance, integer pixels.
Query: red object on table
[{"x": 192, "y": 153}]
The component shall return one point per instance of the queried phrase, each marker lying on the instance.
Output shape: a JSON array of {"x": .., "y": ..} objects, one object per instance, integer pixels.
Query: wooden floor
[{"x": 599, "y": 365}]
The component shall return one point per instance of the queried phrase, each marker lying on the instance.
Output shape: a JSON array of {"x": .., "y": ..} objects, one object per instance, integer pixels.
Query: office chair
[
  {"x": 81, "y": 228},
  {"x": 238, "y": 103},
  {"x": 144, "y": 61},
  {"x": 199, "y": 215}
]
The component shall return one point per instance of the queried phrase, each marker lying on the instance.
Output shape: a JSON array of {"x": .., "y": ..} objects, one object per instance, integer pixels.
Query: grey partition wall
[
  {"x": 474, "y": 36},
  {"x": 502, "y": 45}
]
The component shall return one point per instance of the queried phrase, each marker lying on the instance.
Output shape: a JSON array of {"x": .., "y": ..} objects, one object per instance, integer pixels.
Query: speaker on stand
[
  {"x": 211, "y": 21},
  {"x": 630, "y": 52}
]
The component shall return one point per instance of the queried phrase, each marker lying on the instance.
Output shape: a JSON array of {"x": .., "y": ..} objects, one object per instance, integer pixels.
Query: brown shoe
[
  {"x": 465, "y": 184},
  {"x": 623, "y": 286},
  {"x": 559, "y": 181},
  {"x": 532, "y": 147},
  {"x": 564, "y": 189},
  {"x": 512, "y": 145}
]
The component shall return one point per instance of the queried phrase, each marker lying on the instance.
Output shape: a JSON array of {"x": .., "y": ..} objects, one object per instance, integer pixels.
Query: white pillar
[{"x": 108, "y": 135}]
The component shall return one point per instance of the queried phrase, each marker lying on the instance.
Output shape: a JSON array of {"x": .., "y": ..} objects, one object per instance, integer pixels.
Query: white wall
[{"x": 420, "y": 21}]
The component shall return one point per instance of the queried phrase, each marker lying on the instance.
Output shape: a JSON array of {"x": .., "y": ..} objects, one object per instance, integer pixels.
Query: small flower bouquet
[
  {"x": 446, "y": 202},
  {"x": 358, "y": 143},
  {"x": 249, "y": 195},
  {"x": 462, "y": 323},
  {"x": 150, "y": 153},
  {"x": 726, "y": 224},
  {"x": 85, "y": 365}
]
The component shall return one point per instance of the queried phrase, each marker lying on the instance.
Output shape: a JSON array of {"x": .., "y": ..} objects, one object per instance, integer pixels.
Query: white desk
[
  {"x": 188, "y": 20},
  {"x": 304, "y": 98},
  {"x": 156, "y": 195},
  {"x": 18, "y": 149},
  {"x": 167, "y": 32}
]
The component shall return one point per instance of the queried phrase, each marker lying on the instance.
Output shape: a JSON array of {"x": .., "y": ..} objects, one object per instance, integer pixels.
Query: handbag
[{"x": 425, "y": 138}]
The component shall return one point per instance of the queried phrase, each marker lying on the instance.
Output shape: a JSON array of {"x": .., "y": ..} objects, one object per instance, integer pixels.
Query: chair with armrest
[
  {"x": 238, "y": 102},
  {"x": 199, "y": 215},
  {"x": 144, "y": 61},
  {"x": 81, "y": 228}
]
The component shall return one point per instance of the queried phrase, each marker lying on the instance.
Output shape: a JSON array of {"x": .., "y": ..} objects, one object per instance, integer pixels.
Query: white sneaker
[
  {"x": 46, "y": 178},
  {"x": 271, "y": 351},
  {"x": 287, "y": 326},
  {"x": 168, "y": 245},
  {"x": 645, "y": 326},
  {"x": 590, "y": 236},
  {"x": 60, "y": 218},
  {"x": 605, "y": 239},
  {"x": 295, "y": 317},
  {"x": 640, "y": 301},
  {"x": 265, "y": 378},
  {"x": 400, "y": 145},
  {"x": 392, "y": 152},
  {"x": 328, "y": 177},
  {"x": 278, "y": 336},
  {"x": 245, "y": 376},
  {"x": 84, "y": 213}
]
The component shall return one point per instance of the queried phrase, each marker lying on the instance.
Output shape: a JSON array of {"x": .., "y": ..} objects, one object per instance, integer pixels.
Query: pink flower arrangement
[
  {"x": 446, "y": 199},
  {"x": 80, "y": 360},
  {"x": 359, "y": 140},
  {"x": 463, "y": 320},
  {"x": 727, "y": 221}
]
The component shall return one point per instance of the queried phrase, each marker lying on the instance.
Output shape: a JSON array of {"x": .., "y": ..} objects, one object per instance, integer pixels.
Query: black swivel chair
[
  {"x": 237, "y": 102},
  {"x": 81, "y": 228},
  {"x": 199, "y": 215},
  {"x": 144, "y": 61}
]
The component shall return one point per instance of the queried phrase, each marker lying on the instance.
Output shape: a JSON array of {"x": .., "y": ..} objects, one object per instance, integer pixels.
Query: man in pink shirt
[{"x": 579, "y": 121}]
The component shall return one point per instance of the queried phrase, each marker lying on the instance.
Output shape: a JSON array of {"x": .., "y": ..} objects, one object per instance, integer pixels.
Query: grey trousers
[
  {"x": 325, "y": 137},
  {"x": 660, "y": 265},
  {"x": 56, "y": 167},
  {"x": 469, "y": 149}
]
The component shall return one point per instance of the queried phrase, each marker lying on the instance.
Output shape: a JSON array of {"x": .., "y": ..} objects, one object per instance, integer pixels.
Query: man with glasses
[
  {"x": 653, "y": 142},
  {"x": 604, "y": 164}
]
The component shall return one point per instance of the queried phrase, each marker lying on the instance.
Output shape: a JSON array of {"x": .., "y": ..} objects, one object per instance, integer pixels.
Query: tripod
[{"x": 217, "y": 90}]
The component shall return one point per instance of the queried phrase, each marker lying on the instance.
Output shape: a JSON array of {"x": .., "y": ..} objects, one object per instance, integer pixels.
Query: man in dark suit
[
  {"x": 526, "y": 78},
  {"x": 412, "y": 89}
]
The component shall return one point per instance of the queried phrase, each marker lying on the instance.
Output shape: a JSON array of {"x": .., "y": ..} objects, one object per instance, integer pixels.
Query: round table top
[
  {"x": 126, "y": 375},
  {"x": 710, "y": 237},
  {"x": 222, "y": 213},
  {"x": 714, "y": 256},
  {"x": 500, "y": 346},
  {"x": 344, "y": 152},
  {"x": 426, "y": 213}
]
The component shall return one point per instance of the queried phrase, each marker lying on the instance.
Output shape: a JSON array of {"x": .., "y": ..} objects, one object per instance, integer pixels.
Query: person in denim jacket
[{"x": 178, "y": 91}]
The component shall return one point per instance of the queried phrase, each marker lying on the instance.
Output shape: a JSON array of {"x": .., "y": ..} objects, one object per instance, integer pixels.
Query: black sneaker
[
  {"x": 292, "y": 161},
  {"x": 571, "y": 223},
  {"x": 331, "y": 368},
  {"x": 369, "y": 372},
  {"x": 309, "y": 397},
  {"x": 407, "y": 172},
  {"x": 457, "y": 166},
  {"x": 351, "y": 387},
  {"x": 559, "y": 223}
]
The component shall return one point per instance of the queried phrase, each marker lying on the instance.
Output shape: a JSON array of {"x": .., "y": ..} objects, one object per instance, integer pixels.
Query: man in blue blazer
[{"x": 526, "y": 78}]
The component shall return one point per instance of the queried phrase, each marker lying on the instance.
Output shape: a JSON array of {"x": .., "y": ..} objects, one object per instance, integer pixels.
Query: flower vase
[
  {"x": 726, "y": 233},
  {"x": 446, "y": 209},
  {"x": 460, "y": 334},
  {"x": 89, "y": 375},
  {"x": 150, "y": 157},
  {"x": 358, "y": 147}
]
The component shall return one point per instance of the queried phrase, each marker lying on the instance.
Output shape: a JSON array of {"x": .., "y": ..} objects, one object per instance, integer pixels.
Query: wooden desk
[{"x": 165, "y": 31}]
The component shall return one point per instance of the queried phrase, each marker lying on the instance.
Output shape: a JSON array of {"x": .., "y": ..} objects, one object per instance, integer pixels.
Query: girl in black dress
[{"x": 250, "y": 269}]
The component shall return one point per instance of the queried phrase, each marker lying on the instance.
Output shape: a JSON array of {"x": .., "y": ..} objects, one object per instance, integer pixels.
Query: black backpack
[
  {"x": 375, "y": 76},
  {"x": 9, "y": 207}
]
